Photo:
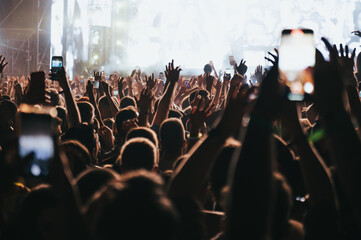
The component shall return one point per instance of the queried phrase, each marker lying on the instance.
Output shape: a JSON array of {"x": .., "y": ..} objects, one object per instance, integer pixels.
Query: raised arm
[
  {"x": 73, "y": 111},
  {"x": 114, "y": 109},
  {"x": 192, "y": 173},
  {"x": 343, "y": 142},
  {"x": 172, "y": 75},
  {"x": 90, "y": 93}
]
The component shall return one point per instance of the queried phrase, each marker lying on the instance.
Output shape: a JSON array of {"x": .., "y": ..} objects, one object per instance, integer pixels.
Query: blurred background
[{"x": 119, "y": 35}]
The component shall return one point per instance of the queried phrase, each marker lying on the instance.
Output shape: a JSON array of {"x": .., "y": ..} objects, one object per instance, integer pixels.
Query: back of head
[
  {"x": 8, "y": 111},
  {"x": 127, "y": 101},
  {"x": 86, "y": 111},
  {"x": 85, "y": 135},
  {"x": 172, "y": 135},
  {"x": 175, "y": 114},
  {"x": 109, "y": 122},
  {"x": 78, "y": 156},
  {"x": 122, "y": 116},
  {"x": 143, "y": 132},
  {"x": 93, "y": 179},
  {"x": 104, "y": 108},
  {"x": 138, "y": 153},
  {"x": 202, "y": 92},
  {"x": 136, "y": 209}
]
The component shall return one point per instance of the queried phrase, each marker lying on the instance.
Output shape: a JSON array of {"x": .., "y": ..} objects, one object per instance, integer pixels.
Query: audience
[{"x": 194, "y": 157}]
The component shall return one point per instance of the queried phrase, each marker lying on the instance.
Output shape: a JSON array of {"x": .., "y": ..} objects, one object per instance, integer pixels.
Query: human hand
[
  {"x": 145, "y": 101},
  {"x": 328, "y": 83},
  {"x": 150, "y": 81},
  {"x": 106, "y": 138},
  {"x": 275, "y": 57},
  {"x": 270, "y": 95},
  {"x": 106, "y": 87},
  {"x": 18, "y": 88},
  {"x": 258, "y": 74},
  {"x": 62, "y": 79},
  {"x": 97, "y": 76},
  {"x": 346, "y": 65},
  {"x": 2, "y": 63},
  {"x": 120, "y": 82},
  {"x": 242, "y": 68},
  {"x": 233, "y": 114},
  {"x": 171, "y": 73},
  {"x": 129, "y": 81},
  {"x": 199, "y": 114}
]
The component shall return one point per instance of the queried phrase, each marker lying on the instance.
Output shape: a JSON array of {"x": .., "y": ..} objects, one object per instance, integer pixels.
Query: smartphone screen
[
  {"x": 36, "y": 143},
  {"x": 56, "y": 64},
  {"x": 297, "y": 54},
  {"x": 116, "y": 92}
]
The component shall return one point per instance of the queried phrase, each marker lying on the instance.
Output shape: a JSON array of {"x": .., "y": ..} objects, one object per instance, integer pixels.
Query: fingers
[
  {"x": 353, "y": 53},
  {"x": 331, "y": 50}
]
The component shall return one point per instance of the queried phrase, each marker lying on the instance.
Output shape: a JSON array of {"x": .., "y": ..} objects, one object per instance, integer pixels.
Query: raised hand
[
  {"x": 171, "y": 73},
  {"x": 106, "y": 87},
  {"x": 106, "y": 138},
  {"x": 242, "y": 68},
  {"x": 97, "y": 76},
  {"x": 328, "y": 83},
  {"x": 234, "y": 112},
  {"x": 275, "y": 57},
  {"x": 150, "y": 81},
  {"x": 2, "y": 63},
  {"x": 200, "y": 113},
  {"x": 62, "y": 78},
  {"x": 258, "y": 74},
  {"x": 145, "y": 100},
  {"x": 346, "y": 65}
]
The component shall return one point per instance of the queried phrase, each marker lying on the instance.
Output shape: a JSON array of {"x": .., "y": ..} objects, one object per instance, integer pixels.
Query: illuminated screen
[{"x": 120, "y": 35}]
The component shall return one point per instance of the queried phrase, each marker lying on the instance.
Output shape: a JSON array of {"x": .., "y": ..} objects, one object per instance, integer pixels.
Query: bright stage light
[
  {"x": 95, "y": 57},
  {"x": 118, "y": 42}
]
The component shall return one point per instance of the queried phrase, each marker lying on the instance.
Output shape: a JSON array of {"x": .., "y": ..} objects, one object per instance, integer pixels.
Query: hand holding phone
[
  {"x": 36, "y": 140},
  {"x": 297, "y": 54},
  {"x": 56, "y": 65}
]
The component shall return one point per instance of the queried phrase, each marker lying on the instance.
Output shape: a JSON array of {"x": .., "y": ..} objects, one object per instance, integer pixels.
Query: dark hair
[
  {"x": 8, "y": 110},
  {"x": 86, "y": 111},
  {"x": 93, "y": 179},
  {"x": 109, "y": 122},
  {"x": 127, "y": 101},
  {"x": 143, "y": 132},
  {"x": 172, "y": 135},
  {"x": 122, "y": 116},
  {"x": 78, "y": 156},
  {"x": 84, "y": 134},
  {"x": 207, "y": 68},
  {"x": 137, "y": 208},
  {"x": 175, "y": 114},
  {"x": 137, "y": 153}
]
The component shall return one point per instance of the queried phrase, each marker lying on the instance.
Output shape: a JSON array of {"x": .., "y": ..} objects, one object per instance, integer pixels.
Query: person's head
[
  {"x": 8, "y": 111},
  {"x": 104, "y": 108},
  {"x": 127, "y": 101},
  {"x": 175, "y": 114},
  {"x": 86, "y": 112},
  {"x": 143, "y": 132},
  {"x": 78, "y": 156},
  {"x": 133, "y": 208},
  {"x": 109, "y": 122},
  {"x": 138, "y": 153},
  {"x": 172, "y": 136},
  {"x": 86, "y": 136},
  {"x": 40, "y": 216},
  {"x": 93, "y": 179},
  {"x": 122, "y": 116}
]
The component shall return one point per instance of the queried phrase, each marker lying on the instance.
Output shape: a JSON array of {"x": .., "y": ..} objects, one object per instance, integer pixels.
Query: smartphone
[
  {"x": 297, "y": 57},
  {"x": 56, "y": 64},
  {"x": 116, "y": 92},
  {"x": 36, "y": 140}
]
